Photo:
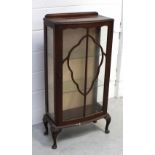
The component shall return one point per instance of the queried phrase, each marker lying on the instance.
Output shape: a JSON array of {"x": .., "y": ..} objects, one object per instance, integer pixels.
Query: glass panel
[
  {"x": 94, "y": 99},
  {"x": 74, "y": 43},
  {"x": 72, "y": 98},
  {"x": 70, "y": 38},
  {"x": 69, "y": 86},
  {"x": 50, "y": 71},
  {"x": 103, "y": 37}
]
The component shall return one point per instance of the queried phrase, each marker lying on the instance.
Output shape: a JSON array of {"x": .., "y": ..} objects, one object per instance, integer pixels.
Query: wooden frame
[{"x": 56, "y": 21}]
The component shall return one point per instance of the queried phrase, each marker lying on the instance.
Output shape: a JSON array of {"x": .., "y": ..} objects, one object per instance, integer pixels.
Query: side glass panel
[
  {"x": 50, "y": 71},
  {"x": 72, "y": 98}
]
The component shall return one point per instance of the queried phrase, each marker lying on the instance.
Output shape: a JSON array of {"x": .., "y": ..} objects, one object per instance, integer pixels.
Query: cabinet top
[{"x": 75, "y": 18}]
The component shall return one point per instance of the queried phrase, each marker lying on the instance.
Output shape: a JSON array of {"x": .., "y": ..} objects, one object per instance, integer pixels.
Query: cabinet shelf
[
  {"x": 71, "y": 114},
  {"x": 69, "y": 86},
  {"x": 76, "y": 55}
]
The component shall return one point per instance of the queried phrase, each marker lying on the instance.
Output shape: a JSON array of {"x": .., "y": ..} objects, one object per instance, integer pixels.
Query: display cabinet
[{"x": 77, "y": 54}]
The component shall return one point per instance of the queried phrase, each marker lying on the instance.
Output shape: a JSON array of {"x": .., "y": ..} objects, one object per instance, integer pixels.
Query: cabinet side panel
[
  {"x": 50, "y": 51},
  {"x": 107, "y": 66}
]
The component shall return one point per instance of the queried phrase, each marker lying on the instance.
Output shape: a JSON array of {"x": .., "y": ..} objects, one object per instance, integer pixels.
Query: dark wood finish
[
  {"x": 77, "y": 112},
  {"x": 108, "y": 120},
  {"x": 45, "y": 121},
  {"x": 45, "y": 68},
  {"x": 85, "y": 80},
  {"x": 90, "y": 113},
  {"x": 89, "y": 118},
  {"x": 71, "y": 15},
  {"x": 54, "y": 132},
  {"x": 58, "y": 74},
  {"x": 75, "y": 18},
  {"x": 80, "y": 121},
  {"x": 107, "y": 66}
]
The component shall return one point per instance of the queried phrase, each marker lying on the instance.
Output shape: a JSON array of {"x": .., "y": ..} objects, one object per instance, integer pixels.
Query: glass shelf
[
  {"x": 69, "y": 86},
  {"x": 81, "y": 55}
]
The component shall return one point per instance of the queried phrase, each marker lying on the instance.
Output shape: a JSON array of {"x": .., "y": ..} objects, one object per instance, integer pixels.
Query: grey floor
[{"x": 88, "y": 139}]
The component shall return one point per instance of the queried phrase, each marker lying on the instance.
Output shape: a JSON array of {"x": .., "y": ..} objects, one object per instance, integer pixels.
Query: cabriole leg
[
  {"x": 108, "y": 120},
  {"x": 45, "y": 124},
  {"x": 55, "y": 133}
]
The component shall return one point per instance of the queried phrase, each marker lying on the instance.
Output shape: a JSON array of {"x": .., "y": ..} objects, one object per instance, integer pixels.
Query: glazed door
[{"x": 83, "y": 71}]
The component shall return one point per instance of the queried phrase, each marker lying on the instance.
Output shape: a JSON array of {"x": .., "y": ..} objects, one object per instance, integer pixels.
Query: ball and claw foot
[
  {"x": 107, "y": 131},
  {"x": 55, "y": 133},
  {"x": 54, "y": 146},
  {"x": 108, "y": 120}
]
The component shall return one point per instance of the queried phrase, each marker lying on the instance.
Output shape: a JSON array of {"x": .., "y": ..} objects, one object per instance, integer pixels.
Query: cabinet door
[{"x": 83, "y": 71}]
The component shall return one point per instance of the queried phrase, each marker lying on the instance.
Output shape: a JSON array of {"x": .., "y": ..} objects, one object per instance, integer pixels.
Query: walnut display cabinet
[{"x": 77, "y": 69}]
